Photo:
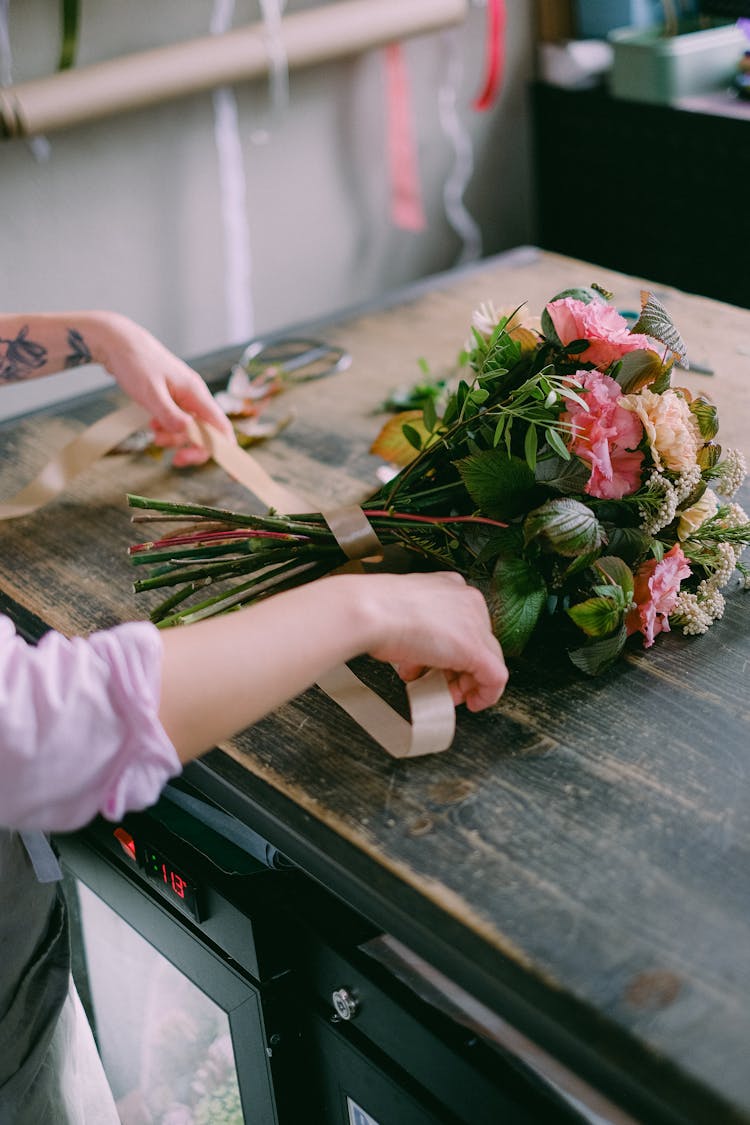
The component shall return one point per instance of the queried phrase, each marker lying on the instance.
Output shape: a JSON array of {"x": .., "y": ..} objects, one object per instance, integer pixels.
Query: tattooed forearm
[
  {"x": 20, "y": 356},
  {"x": 80, "y": 353}
]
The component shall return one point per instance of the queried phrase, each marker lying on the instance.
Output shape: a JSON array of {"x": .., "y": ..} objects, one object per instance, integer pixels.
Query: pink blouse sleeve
[{"x": 79, "y": 726}]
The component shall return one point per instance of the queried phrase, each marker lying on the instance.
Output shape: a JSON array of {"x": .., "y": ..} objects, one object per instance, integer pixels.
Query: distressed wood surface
[{"x": 592, "y": 836}]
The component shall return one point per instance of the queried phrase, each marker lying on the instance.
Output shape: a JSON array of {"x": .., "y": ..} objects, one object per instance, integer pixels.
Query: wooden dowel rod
[{"x": 318, "y": 35}]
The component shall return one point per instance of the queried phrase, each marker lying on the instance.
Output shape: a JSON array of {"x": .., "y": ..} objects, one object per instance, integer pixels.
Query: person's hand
[
  {"x": 168, "y": 388},
  {"x": 438, "y": 621},
  {"x": 221, "y": 675}
]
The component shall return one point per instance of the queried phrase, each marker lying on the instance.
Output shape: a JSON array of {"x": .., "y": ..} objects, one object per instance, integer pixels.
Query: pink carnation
[
  {"x": 600, "y": 324},
  {"x": 657, "y": 588},
  {"x": 606, "y": 436}
]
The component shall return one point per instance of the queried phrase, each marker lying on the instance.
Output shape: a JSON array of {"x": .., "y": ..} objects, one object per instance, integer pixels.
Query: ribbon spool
[{"x": 433, "y": 716}]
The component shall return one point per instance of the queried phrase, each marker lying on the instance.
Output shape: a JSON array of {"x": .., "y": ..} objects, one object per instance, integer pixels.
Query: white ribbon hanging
[
  {"x": 39, "y": 147},
  {"x": 272, "y": 12},
  {"x": 456, "y": 132},
  {"x": 6, "y": 67},
  {"x": 233, "y": 195},
  {"x": 238, "y": 264}
]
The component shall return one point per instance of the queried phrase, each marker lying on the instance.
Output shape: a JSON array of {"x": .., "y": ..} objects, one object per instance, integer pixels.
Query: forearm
[
  {"x": 222, "y": 675},
  {"x": 36, "y": 344}
]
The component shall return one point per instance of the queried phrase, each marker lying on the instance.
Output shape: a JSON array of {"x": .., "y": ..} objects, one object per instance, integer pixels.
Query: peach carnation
[
  {"x": 693, "y": 518},
  {"x": 671, "y": 430}
]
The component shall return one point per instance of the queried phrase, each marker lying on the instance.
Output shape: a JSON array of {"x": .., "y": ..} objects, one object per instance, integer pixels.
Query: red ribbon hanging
[
  {"x": 407, "y": 211},
  {"x": 495, "y": 65}
]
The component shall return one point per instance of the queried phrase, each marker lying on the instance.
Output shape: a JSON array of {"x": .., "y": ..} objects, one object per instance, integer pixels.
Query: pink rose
[
  {"x": 657, "y": 588},
  {"x": 607, "y": 332},
  {"x": 606, "y": 436}
]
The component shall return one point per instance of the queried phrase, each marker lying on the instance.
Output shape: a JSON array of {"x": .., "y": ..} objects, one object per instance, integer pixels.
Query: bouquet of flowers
[{"x": 564, "y": 475}]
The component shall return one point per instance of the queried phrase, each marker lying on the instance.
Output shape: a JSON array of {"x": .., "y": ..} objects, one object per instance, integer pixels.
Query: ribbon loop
[{"x": 353, "y": 532}]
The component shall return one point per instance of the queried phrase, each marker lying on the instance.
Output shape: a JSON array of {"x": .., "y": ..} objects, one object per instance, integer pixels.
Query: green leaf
[
  {"x": 515, "y": 600},
  {"x": 423, "y": 365},
  {"x": 499, "y": 430},
  {"x": 564, "y": 476},
  {"x": 494, "y": 543},
  {"x": 628, "y": 543},
  {"x": 565, "y": 526},
  {"x": 557, "y": 443},
  {"x": 618, "y": 572},
  {"x": 451, "y": 411},
  {"x": 479, "y": 395},
  {"x": 462, "y": 391},
  {"x": 529, "y": 447},
  {"x": 655, "y": 321},
  {"x": 412, "y": 436},
  {"x": 503, "y": 352},
  {"x": 598, "y": 656},
  {"x": 575, "y": 347},
  {"x": 429, "y": 414},
  {"x": 706, "y": 415},
  {"x": 638, "y": 369},
  {"x": 615, "y": 593},
  {"x": 500, "y": 486},
  {"x": 709, "y": 454},
  {"x": 581, "y": 562},
  {"x": 662, "y": 382},
  {"x": 568, "y": 392},
  {"x": 597, "y": 617}
]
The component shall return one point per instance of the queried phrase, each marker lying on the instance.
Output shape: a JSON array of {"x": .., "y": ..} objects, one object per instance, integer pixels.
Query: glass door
[{"x": 180, "y": 1033}]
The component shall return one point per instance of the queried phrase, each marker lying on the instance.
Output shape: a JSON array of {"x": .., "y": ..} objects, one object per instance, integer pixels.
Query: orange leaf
[{"x": 391, "y": 445}]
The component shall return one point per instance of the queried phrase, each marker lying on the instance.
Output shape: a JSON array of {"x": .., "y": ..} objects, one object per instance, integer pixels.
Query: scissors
[{"x": 297, "y": 358}]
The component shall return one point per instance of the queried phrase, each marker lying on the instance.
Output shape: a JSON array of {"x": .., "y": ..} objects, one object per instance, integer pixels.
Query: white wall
[{"x": 125, "y": 213}]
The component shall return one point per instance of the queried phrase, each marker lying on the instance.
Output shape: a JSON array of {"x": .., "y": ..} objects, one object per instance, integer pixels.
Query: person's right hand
[
  {"x": 221, "y": 675},
  {"x": 437, "y": 621}
]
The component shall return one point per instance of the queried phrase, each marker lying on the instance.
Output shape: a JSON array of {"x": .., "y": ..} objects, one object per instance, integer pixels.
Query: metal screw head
[{"x": 345, "y": 1003}]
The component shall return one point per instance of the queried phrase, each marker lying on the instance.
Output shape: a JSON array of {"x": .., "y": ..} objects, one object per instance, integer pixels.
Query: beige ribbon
[
  {"x": 73, "y": 458},
  {"x": 433, "y": 715},
  {"x": 353, "y": 532}
]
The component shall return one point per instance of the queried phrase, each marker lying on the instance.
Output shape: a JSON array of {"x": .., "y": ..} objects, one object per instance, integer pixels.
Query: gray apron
[{"x": 34, "y": 974}]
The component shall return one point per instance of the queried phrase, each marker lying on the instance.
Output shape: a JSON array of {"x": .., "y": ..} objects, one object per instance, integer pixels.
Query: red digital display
[{"x": 172, "y": 882}]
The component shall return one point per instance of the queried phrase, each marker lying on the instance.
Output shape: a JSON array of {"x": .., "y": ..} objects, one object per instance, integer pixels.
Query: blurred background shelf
[{"x": 650, "y": 189}]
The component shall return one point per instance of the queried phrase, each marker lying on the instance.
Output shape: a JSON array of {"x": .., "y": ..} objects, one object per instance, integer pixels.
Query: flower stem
[
  {"x": 240, "y": 595},
  {"x": 431, "y": 519}
]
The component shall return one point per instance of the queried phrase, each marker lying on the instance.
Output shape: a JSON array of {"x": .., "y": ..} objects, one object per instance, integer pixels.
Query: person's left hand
[{"x": 163, "y": 384}]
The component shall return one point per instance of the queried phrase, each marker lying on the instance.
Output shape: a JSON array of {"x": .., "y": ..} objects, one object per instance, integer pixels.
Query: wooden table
[{"x": 580, "y": 859}]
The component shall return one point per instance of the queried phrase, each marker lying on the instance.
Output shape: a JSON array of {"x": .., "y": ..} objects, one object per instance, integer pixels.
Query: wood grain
[{"x": 594, "y": 835}]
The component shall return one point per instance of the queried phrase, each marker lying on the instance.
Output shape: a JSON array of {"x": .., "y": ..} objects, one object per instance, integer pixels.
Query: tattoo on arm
[
  {"x": 80, "y": 353},
  {"x": 20, "y": 356}
]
